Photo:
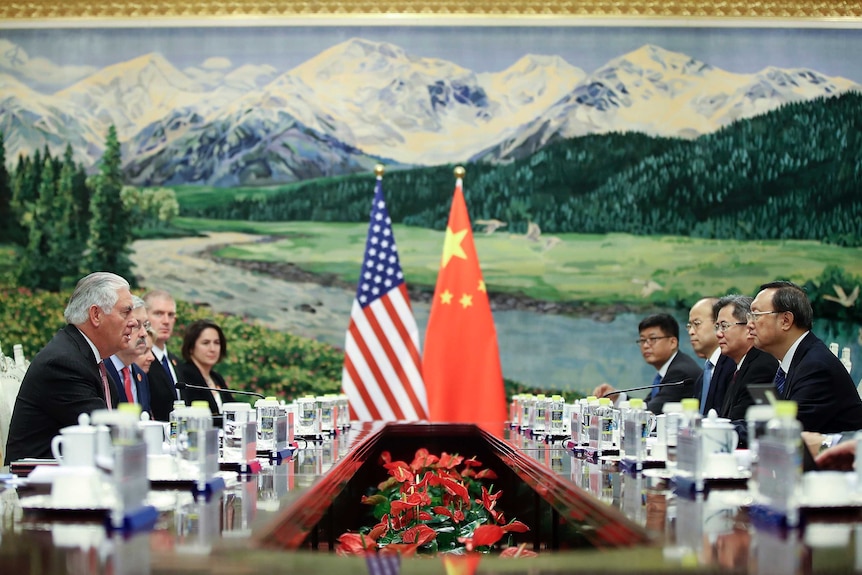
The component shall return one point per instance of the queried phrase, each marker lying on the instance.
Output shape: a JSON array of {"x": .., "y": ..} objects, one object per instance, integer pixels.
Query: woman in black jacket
[{"x": 204, "y": 346}]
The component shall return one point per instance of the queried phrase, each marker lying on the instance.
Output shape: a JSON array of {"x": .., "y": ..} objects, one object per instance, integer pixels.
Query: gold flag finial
[
  {"x": 460, "y": 172},
  {"x": 379, "y": 170}
]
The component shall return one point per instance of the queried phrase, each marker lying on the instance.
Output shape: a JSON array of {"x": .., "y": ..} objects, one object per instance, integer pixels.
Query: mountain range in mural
[{"x": 362, "y": 102}]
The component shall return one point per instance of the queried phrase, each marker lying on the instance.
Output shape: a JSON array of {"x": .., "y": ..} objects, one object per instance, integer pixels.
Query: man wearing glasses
[
  {"x": 809, "y": 374},
  {"x": 131, "y": 381},
  {"x": 676, "y": 372},
  {"x": 752, "y": 365},
  {"x": 717, "y": 368}
]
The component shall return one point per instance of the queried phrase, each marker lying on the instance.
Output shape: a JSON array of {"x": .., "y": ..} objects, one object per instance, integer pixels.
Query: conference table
[{"x": 253, "y": 524}]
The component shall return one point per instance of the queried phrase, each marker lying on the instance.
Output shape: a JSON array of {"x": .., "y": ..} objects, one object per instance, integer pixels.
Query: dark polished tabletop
[{"x": 711, "y": 532}]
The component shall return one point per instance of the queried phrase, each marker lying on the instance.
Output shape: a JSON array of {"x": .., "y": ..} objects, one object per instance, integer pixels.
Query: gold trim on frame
[{"x": 22, "y": 10}]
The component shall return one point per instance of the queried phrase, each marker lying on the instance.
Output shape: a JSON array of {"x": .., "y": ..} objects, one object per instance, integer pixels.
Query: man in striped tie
[
  {"x": 780, "y": 321},
  {"x": 67, "y": 377}
]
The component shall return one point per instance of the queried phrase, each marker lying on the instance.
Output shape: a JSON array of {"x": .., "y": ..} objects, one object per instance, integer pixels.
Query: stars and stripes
[{"x": 382, "y": 374}]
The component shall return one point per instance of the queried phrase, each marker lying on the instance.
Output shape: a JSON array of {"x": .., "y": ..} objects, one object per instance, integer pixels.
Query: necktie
[
  {"x": 166, "y": 365},
  {"x": 103, "y": 372},
  {"x": 707, "y": 377},
  {"x": 127, "y": 383},
  {"x": 655, "y": 381},
  {"x": 780, "y": 378}
]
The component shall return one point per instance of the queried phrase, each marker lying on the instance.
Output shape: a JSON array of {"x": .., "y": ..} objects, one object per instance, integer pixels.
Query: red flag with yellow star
[{"x": 461, "y": 361}]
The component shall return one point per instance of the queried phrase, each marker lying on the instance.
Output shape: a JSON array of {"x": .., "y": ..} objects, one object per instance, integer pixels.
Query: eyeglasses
[
  {"x": 724, "y": 326},
  {"x": 142, "y": 324},
  {"x": 753, "y": 315},
  {"x": 693, "y": 324},
  {"x": 650, "y": 340}
]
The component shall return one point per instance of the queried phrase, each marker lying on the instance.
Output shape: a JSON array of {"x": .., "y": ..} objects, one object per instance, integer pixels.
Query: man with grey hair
[
  {"x": 780, "y": 321},
  {"x": 67, "y": 377},
  {"x": 753, "y": 366},
  {"x": 132, "y": 383},
  {"x": 162, "y": 310}
]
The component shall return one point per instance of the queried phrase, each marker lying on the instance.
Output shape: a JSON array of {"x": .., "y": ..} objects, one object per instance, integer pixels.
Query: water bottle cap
[
  {"x": 605, "y": 401},
  {"x": 591, "y": 397},
  {"x": 271, "y": 398},
  {"x": 636, "y": 403},
  {"x": 133, "y": 408},
  {"x": 690, "y": 404},
  {"x": 785, "y": 408},
  {"x": 201, "y": 403}
]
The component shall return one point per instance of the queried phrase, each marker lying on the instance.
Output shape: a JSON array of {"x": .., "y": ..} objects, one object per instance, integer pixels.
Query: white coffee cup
[
  {"x": 720, "y": 465},
  {"x": 154, "y": 436},
  {"x": 77, "y": 488},
  {"x": 719, "y": 436},
  {"x": 825, "y": 487},
  {"x": 75, "y": 446}
]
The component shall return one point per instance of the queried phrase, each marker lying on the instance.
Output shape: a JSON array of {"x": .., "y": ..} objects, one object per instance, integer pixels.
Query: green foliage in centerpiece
[{"x": 434, "y": 504}]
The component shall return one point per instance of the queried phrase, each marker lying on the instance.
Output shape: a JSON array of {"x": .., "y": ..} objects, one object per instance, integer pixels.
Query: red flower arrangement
[{"x": 430, "y": 506}]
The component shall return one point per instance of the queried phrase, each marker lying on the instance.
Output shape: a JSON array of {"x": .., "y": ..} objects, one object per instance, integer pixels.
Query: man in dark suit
[
  {"x": 659, "y": 345},
  {"x": 67, "y": 378},
  {"x": 712, "y": 382},
  {"x": 809, "y": 374},
  {"x": 129, "y": 378},
  {"x": 162, "y": 312},
  {"x": 752, "y": 365}
]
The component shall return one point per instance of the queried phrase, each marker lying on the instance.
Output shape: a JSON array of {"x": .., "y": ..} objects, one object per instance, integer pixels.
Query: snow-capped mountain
[
  {"x": 663, "y": 93},
  {"x": 359, "y": 101}
]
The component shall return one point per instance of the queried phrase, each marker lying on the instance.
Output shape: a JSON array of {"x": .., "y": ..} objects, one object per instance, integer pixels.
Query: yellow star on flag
[
  {"x": 482, "y": 286},
  {"x": 466, "y": 300},
  {"x": 446, "y": 297},
  {"x": 452, "y": 246}
]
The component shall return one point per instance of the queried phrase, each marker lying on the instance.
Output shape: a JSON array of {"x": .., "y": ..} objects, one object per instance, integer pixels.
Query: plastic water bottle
[
  {"x": 173, "y": 419},
  {"x": 605, "y": 418},
  {"x": 779, "y": 467},
  {"x": 689, "y": 448},
  {"x": 554, "y": 416}
]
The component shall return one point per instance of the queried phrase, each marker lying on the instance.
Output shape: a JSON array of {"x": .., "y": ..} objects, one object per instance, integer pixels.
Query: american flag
[{"x": 382, "y": 375}]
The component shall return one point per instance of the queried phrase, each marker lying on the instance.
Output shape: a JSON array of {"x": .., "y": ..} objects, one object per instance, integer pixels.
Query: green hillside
[{"x": 794, "y": 173}]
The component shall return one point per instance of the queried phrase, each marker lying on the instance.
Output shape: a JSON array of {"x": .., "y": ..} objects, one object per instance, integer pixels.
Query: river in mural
[{"x": 554, "y": 352}]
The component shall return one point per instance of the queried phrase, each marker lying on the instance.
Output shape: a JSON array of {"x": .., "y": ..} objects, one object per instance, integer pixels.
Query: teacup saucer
[{"x": 46, "y": 503}]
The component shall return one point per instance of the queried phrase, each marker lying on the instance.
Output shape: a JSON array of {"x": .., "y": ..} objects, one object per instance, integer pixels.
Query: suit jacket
[
  {"x": 820, "y": 385},
  {"x": 721, "y": 374},
  {"x": 141, "y": 382},
  {"x": 189, "y": 373},
  {"x": 163, "y": 392},
  {"x": 62, "y": 382},
  {"x": 757, "y": 367},
  {"x": 682, "y": 368}
]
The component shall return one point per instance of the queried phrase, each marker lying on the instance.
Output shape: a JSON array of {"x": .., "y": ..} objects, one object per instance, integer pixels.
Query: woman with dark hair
[{"x": 204, "y": 346}]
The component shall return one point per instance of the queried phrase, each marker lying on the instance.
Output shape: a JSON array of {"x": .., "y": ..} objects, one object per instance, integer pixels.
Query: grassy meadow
[{"x": 600, "y": 269}]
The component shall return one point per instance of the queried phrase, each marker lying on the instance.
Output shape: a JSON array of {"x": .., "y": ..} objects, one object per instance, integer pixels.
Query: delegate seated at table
[
  {"x": 67, "y": 377},
  {"x": 204, "y": 345}
]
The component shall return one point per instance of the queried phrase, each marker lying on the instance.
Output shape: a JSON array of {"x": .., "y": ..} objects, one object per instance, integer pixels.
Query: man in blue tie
[
  {"x": 162, "y": 310},
  {"x": 658, "y": 341},
  {"x": 711, "y": 384},
  {"x": 809, "y": 374}
]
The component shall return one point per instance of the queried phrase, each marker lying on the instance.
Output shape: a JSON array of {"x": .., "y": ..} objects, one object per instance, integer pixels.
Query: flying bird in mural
[
  {"x": 491, "y": 225},
  {"x": 842, "y": 297},
  {"x": 649, "y": 286}
]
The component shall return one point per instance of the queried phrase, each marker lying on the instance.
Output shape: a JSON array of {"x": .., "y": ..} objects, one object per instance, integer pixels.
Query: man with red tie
[
  {"x": 67, "y": 377},
  {"x": 809, "y": 374},
  {"x": 132, "y": 383}
]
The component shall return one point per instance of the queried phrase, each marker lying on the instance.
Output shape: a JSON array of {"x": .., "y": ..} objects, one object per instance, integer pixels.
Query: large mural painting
[{"x": 612, "y": 171}]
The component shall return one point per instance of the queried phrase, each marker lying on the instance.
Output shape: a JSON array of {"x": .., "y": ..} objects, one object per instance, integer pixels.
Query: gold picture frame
[{"x": 20, "y": 11}]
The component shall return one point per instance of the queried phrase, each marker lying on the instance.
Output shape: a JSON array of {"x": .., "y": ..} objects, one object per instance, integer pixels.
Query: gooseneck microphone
[
  {"x": 181, "y": 386},
  {"x": 668, "y": 384}
]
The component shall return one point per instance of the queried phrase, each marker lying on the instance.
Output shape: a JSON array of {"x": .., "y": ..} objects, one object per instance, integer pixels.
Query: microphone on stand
[
  {"x": 181, "y": 386},
  {"x": 668, "y": 384}
]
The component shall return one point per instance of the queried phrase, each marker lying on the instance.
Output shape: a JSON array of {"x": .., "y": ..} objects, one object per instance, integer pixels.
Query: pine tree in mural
[
  {"x": 110, "y": 232},
  {"x": 6, "y": 220},
  {"x": 36, "y": 270}
]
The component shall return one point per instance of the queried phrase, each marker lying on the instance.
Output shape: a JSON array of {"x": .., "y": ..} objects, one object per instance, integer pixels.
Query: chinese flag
[{"x": 461, "y": 362}]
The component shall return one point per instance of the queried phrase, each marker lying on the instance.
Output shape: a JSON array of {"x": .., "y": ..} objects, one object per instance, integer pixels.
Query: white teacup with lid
[
  {"x": 76, "y": 444},
  {"x": 719, "y": 435}
]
